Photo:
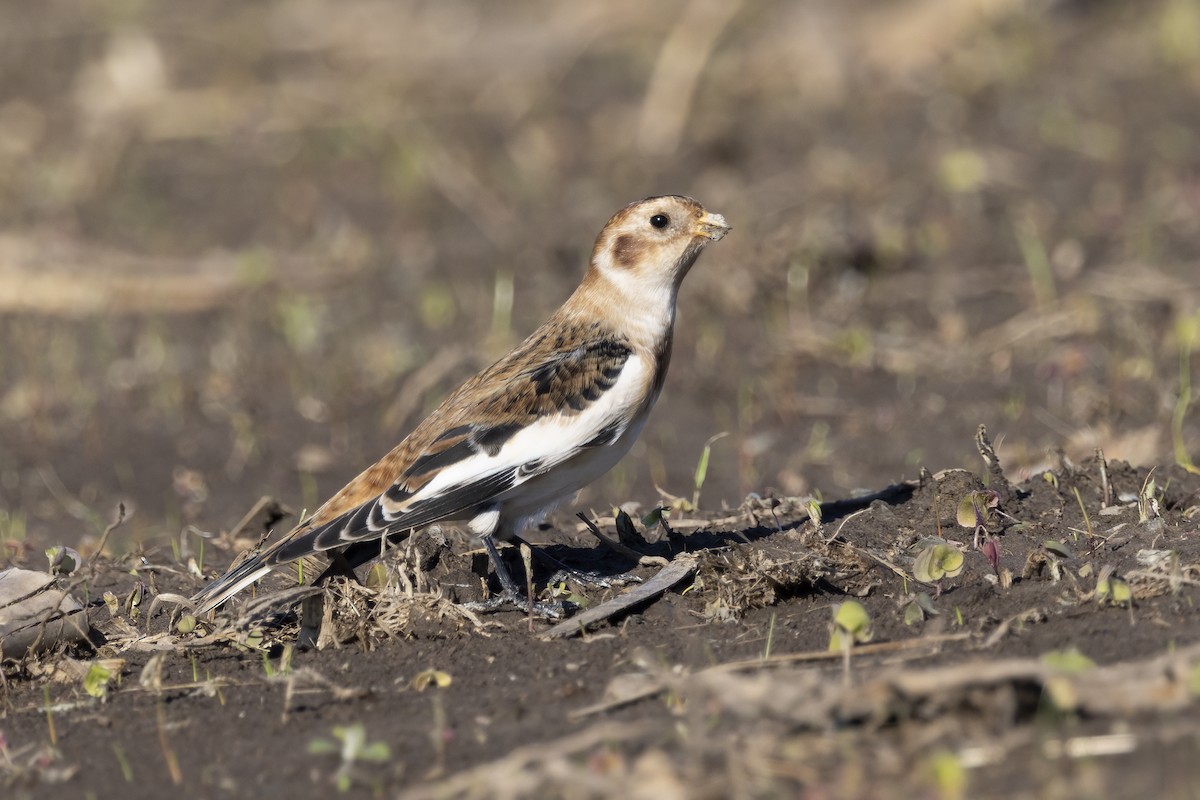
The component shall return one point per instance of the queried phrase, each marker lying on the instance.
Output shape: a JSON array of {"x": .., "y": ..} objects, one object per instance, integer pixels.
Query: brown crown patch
[{"x": 627, "y": 249}]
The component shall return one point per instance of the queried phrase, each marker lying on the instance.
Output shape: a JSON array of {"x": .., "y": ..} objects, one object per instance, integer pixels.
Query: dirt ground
[{"x": 244, "y": 247}]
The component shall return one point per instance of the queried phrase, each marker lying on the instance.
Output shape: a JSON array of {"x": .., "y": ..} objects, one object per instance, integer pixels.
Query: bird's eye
[{"x": 660, "y": 220}]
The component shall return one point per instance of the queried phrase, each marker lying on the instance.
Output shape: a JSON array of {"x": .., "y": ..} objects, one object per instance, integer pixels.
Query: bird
[{"x": 532, "y": 429}]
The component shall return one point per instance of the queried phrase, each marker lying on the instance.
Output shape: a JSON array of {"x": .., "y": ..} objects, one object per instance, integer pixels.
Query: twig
[
  {"x": 165, "y": 744},
  {"x": 842, "y": 524},
  {"x": 312, "y": 677},
  {"x": 104, "y": 539},
  {"x": 879, "y": 559},
  {"x": 998, "y": 481},
  {"x": 1106, "y": 497},
  {"x": 1028, "y": 615},
  {"x": 687, "y": 49},
  {"x": 668, "y": 576},
  {"x": 275, "y": 511},
  {"x": 525, "y": 760},
  {"x": 656, "y": 686},
  {"x": 833, "y": 655}
]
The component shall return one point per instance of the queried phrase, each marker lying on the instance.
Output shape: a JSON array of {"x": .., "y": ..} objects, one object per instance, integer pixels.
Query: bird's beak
[{"x": 712, "y": 226}]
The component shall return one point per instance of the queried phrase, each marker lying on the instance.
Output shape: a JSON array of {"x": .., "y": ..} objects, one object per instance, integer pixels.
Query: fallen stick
[
  {"x": 651, "y": 685},
  {"x": 682, "y": 567}
]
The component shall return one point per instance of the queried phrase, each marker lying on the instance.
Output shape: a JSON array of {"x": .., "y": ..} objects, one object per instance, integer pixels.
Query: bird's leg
[
  {"x": 339, "y": 565},
  {"x": 506, "y": 581},
  {"x": 511, "y": 594},
  {"x": 562, "y": 571}
]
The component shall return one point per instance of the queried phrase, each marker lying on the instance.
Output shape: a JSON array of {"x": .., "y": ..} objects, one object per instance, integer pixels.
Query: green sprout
[
  {"x": 1069, "y": 661},
  {"x": 1149, "y": 506},
  {"x": 350, "y": 743},
  {"x": 702, "y": 467},
  {"x": 851, "y": 625},
  {"x": 917, "y": 608},
  {"x": 655, "y": 517},
  {"x": 1113, "y": 590},
  {"x": 948, "y": 774},
  {"x": 936, "y": 562},
  {"x": 813, "y": 507},
  {"x": 378, "y": 576},
  {"x": 97, "y": 679},
  {"x": 63, "y": 560},
  {"x": 974, "y": 510},
  {"x": 431, "y": 677}
]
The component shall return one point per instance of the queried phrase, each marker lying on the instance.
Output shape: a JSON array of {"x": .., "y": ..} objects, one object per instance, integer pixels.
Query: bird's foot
[
  {"x": 506, "y": 599},
  {"x": 593, "y": 578}
]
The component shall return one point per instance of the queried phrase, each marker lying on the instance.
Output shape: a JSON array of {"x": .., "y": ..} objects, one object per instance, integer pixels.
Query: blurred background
[{"x": 244, "y": 247}]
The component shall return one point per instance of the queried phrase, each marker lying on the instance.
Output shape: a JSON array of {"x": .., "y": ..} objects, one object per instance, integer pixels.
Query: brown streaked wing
[{"x": 557, "y": 370}]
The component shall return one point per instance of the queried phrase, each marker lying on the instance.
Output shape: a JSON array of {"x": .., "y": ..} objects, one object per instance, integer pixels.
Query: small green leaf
[
  {"x": 378, "y": 576},
  {"x": 813, "y": 507},
  {"x": 1122, "y": 595},
  {"x": 1058, "y": 548},
  {"x": 913, "y": 614},
  {"x": 1070, "y": 661},
  {"x": 966, "y": 515},
  {"x": 923, "y": 568},
  {"x": 186, "y": 624},
  {"x": 949, "y": 774},
  {"x": 63, "y": 560},
  {"x": 938, "y": 561},
  {"x": 378, "y": 752},
  {"x": 702, "y": 466},
  {"x": 323, "y": 746},
  {"x": 973, "y": 509},
  {"x": 655, "y": 516},
  {"x": 431, "y": 677},
  {"x": 950, "y": 559},
  {"x": 96, "y": 681},
  {"x": 1194, "y": 680},
  {"x": 1113, "y": 589},
  {"x": 850, "y": 619},
  {"x": 925, "y": 602},
  {"x": 963, "y": 170}
]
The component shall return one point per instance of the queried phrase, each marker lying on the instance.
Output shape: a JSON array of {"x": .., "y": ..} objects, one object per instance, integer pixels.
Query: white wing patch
[{"x": 549, "y": 441}]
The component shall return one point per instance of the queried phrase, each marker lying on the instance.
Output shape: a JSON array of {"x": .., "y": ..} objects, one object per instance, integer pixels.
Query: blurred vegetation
[{"x": 244, "y": 246}]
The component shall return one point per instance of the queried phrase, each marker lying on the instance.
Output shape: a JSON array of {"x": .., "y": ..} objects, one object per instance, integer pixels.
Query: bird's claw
[
  {"x": 498, "y": 602},
  {"x": 594, "y": 578}
]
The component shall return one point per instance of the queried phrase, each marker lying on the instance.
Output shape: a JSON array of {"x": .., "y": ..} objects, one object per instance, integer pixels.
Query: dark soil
[
  {"x": 237, "y": 720},
  {"x": 245, "y": 247}
]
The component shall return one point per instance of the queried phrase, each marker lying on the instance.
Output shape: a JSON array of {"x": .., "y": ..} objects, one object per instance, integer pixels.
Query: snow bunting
[{"x": 535, "y": 427}]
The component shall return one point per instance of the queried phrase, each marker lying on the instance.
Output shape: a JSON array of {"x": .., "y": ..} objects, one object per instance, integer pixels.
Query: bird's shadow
[{"x": 601, "y": 560}]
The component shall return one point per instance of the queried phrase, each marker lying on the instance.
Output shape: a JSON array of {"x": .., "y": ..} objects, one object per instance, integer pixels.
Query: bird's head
[{"x": 650, "y": 245}]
